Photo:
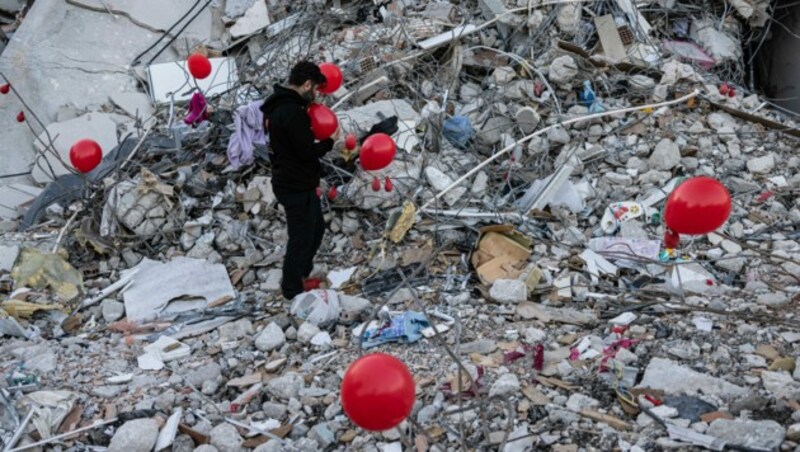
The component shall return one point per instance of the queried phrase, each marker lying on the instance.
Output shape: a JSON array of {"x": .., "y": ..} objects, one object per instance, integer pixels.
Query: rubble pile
[{"x": 516, "y": 267}]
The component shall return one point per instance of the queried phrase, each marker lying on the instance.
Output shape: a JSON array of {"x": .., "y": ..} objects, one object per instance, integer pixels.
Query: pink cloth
[{"x": 197, "y": 110}]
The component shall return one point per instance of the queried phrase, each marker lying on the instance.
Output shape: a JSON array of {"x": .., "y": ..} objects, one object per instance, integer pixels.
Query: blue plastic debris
[{"x": 458, "y": 131}]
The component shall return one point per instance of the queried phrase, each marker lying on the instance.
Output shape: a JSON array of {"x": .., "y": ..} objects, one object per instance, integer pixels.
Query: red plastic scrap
[
  {"x": 765, "y": 196},
  {"x": 653, "y": 400},
  {"x": 538, "y": 357},
  {"x": 611, "y": 351},
  {"x": 512, "y": 356}
]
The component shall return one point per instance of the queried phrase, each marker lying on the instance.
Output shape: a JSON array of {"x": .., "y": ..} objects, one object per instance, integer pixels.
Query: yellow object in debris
[
  {"x": 648, "y": 110},
  {"x": 404, "y": 223},
  {"x": 38, "y": 270},
  {"x": 24, "y": 310}
]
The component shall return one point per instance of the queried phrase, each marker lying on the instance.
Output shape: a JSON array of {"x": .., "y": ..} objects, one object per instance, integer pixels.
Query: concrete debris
[{"x": 517, "y": 235}]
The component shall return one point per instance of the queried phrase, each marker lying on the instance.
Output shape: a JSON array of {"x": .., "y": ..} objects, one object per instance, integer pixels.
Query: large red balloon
[
  {"x": 377, "y": 152},
  {"x": 377, "y": 392},
  {"x": 199, "y": 66},
  {"x": 697, "y": 206},
  {"x": 333, "y": 76},
  {"x": 85, "y": 155},
  {"x": 323, "y": 121}
]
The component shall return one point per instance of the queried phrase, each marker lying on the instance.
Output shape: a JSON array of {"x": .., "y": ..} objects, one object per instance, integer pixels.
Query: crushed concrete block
[
  {"x": 440, "y": 181},
  {"x": 563, "y": 69},
  {"x": 569, "y": 18},
  {"x": 527, "y": 119},
  {"x": 666, "y": 155},
  {"x": 764, "y": 435},
  {"x": 8, "y": 255},
  {"x": 509, "y": 291},
  {"x": 138, "y": 435},
  {"x": 761, "y": 165},
  {"x": 669, "y": 376}
]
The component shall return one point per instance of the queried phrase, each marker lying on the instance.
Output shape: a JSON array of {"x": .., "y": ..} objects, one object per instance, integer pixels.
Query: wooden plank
[{"x": 614, "y": 422}]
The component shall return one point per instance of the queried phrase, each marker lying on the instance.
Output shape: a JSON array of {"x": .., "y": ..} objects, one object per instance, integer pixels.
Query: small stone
[
  {"x": 107, "y": 392},
  {"x": 353, "y": 307},
  {"x": 480, "y": 346},
  {"x": 748, "y": 433},
  {"x": 274, "y": 410},
  {"x": 761, "y": 165},
  {"x": 793, "y": 433},
  {"x": 322, "y": 434},
  {"x": 534, "y": 335},
  {"x": 578, "y": 402},
  {"x": 507, "y": 384},
  {"x": 563, "y": 69},
  {"x": 112, "y": 310},
  {"x": 197, "y": 377},
  {"x": 206, "y": 448},
  {"x": 321, "y": 339},
  {"x": 307, "y": 331},
  {"x": 209, "y": 387},
  {"x": 666, "y": 155},
  {"x": 226, "y": 438},
  {"x": 270, "y": 338},
  {"x": 287, "y": 386},
  {"x": 527, "y": 119},
  {"x": 235, "y": 330},
  {"x": 509, "y": 291},
  {"x": 773, "y": 299},
  {"x": 138, "y": 435}
]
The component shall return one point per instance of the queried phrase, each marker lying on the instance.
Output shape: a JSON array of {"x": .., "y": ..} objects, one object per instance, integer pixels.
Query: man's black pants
[{"x": 306, "y": 227}]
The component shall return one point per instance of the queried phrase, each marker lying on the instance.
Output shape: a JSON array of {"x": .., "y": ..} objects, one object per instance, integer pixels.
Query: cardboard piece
[{"x": 501, "y": 253}]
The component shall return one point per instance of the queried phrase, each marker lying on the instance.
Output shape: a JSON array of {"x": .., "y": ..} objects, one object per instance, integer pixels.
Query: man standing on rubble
[{"x": 296, "y": 172}]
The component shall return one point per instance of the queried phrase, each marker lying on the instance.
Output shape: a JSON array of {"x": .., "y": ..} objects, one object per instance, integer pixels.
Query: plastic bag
[
  {"x": 458, "y": 131},
  {"x": 319, "y": 307}
]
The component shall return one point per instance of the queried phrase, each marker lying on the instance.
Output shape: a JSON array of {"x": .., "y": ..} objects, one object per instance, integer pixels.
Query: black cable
[
  {"x": 8, "y": 176},
  {"x": 166, "y": 33}
]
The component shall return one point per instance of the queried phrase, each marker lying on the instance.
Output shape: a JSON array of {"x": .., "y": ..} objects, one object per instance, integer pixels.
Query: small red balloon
[
  {"x": 377, "y": 392},
  {"x": 332, "y": 194},
  {"x": 323, "y": 121},
  {"x": 376, "y": 184},
  {"x": 724, "y": 89},
  {"x": 85, "y": 155},
  {"x": 21, "y": 116},
  {"x": 377, "y": 152},
  {"x": 350, "y": 142},
  {"x": 199, "y": 66},
  {"x": 5, "y": 88},
  {"x": 697, "y": 206},
  {"x": 333, "y": 76},
  {"x": 387, "y": 185}
]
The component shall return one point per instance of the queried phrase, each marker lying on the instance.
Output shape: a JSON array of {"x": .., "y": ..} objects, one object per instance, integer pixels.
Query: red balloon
[
  {"x": 697, "y": 206},
  {"x": 377, "y": 392},
  {"x": 85, "y": 155},
  {"x": 376, "y": 184},
  {"x": 350, "y": 142},
  {"x": 387, "y": 185},
  {"x": 199, "y": 66},
  {"x": 332, "y": 194},
  {"x": 377, "y": 152},
  {"x": 21, "y": 116},
  {"x": 333, "y": 76},
  {"x": 5, "y": 88},
  {"x": 323, "y": 121}
]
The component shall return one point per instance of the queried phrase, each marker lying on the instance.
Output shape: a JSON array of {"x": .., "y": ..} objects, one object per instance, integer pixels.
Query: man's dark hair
[{"x": 305, "y": 71}]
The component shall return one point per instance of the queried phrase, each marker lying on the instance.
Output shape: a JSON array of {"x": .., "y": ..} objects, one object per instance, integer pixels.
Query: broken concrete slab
[
  {"x": 134, "y": 104},
  {"x": 8, "y": 256},
  {"x": 668, "y": 376},
  {"x": 255, "y": 18},
  {"x": 99, "y": 126},
  {"x": 14, "y": 198},
  {"x": 748, "y": 433},
  {"x": 366, "y": 116},
  {"x": 161, "y": 289}
]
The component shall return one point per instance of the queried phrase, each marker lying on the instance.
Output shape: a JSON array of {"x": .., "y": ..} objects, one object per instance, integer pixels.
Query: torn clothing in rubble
[
  {"x": 198, "y": 110},
  {"x": 248, "y": 131},
  {"x": 406, "y": 328},
  {"x": 295, "y": 154}
]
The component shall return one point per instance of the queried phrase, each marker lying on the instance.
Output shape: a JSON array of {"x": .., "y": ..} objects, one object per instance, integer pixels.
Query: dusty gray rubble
[{"x": 512, "y": 255}]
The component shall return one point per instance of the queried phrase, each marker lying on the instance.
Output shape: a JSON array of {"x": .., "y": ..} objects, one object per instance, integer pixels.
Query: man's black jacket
[{"x": 295, "y": 155}]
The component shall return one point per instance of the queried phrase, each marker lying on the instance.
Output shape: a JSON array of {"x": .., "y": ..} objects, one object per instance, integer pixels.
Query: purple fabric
[
  {"x": 248, "y": 131},
  {"x": 197, "y": 110}
]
